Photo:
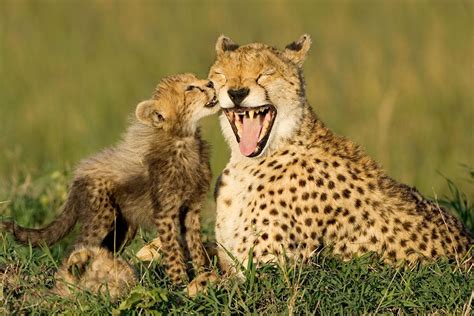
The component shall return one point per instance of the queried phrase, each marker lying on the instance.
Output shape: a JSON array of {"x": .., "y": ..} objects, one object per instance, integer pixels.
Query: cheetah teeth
[
  {"x": 265, "y": 114},
  {"x": 251, "y": 113},
  {"x": 238, "y": 124},
  {"x": 266, "y": 124}
]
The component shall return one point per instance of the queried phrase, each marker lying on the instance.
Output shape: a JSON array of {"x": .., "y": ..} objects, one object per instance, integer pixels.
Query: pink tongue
[{"x": 250, "y": 133}]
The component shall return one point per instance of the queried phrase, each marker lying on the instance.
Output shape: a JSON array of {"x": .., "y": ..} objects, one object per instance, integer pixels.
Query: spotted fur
[{"x": 310, "y": 188}]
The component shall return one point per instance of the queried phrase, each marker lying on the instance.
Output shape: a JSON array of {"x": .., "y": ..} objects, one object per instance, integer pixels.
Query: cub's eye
[
  {"x": 189, "y": 88},
  {"x": 210, "y": 84}
]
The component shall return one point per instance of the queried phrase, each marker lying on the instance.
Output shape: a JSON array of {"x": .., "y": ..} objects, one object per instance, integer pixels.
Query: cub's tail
[
  {"x": 50, "y": 234},
  {"x": 61, "y": 225}
]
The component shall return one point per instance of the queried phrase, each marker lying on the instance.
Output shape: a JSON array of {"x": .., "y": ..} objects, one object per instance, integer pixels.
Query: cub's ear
[
  {"x": 147, "y": 113},
  {"x": 225, "y": 44},
  {"x": 297, "y": 51}
]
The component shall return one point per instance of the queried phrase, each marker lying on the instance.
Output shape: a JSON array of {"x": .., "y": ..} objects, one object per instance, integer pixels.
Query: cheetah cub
[
  {"x": 96, "y": 270},
  {"x": 158, "y": 175}
]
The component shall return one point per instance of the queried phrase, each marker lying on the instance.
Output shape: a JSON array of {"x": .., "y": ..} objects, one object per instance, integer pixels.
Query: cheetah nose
[{"x": 238, "y": 95}]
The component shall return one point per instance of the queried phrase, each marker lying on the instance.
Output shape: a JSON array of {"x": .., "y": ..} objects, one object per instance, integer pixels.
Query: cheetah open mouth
[{"x": 252, "y": 127}]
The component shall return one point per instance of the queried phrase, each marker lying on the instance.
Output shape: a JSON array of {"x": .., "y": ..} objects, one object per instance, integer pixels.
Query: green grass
[
  {"x": 326, "y": 286},
  {"x": 394, "y": 76}
]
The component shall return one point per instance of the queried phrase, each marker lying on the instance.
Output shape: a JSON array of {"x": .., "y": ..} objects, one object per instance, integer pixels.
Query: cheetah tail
[{"x": 50, "y": 234}]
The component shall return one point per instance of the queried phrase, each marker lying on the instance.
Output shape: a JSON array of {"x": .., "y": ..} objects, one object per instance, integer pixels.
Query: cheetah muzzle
[{"x": 251, "y": 127}]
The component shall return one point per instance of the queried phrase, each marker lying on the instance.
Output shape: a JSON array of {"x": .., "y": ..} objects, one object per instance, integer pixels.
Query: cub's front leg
[
  {"x": 167, "y": 224},
  {"x": 194, "y": 243},
  {"x": 166, "y": 200}
]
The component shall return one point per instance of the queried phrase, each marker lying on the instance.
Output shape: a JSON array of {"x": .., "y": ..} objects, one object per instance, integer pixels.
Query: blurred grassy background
[{"x": 394, "y": 76}]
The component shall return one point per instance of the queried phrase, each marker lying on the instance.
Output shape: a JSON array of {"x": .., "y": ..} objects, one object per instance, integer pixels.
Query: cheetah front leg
[
  {"x": 197, "y": 252},
  {"x": 166, "y": 201},
  {"x": 173, "y": 257},
  {"x": 196, "y": 249}
]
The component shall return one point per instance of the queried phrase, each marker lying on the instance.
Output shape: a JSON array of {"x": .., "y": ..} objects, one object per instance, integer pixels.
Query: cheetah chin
[{"x": 251, "y": 127}]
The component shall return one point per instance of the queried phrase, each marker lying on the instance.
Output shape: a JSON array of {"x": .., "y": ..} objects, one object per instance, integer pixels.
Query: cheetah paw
[
  {"x": 150, "y": 251},
  {"x": 200, "y": 283},
  {"x": 79, "y": 260}
]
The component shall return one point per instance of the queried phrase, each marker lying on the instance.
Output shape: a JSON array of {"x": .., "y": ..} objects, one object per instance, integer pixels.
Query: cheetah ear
[
  {"x": 225, "y": 44},
  {"x": 147, "y": 113},
  {"x": 297, "y": 51}
]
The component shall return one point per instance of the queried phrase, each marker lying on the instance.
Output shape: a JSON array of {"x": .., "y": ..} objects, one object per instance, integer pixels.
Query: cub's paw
[
  {"x": 200, "y": 283},
  {"x": 150, "y": 251},
  {"x": 95, "y": 270},
  {"x": 79, "y": 260}
]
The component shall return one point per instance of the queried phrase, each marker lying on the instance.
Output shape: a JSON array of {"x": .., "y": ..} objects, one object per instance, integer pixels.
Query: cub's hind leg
[
  {"x": 120, "y": 234},
  {"x": 101, "y": 217}
]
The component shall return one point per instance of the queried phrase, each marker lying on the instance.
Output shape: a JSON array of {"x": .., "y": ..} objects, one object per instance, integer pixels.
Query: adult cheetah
[{"x": 293, "y": 186}]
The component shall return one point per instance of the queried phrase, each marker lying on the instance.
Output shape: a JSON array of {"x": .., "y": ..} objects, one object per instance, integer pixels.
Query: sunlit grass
[
  {"x": 327, "y": 285},
  {"x": 394, "y": 76}
]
